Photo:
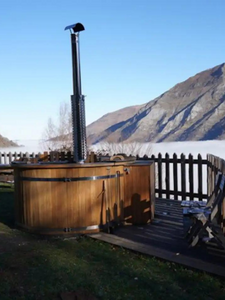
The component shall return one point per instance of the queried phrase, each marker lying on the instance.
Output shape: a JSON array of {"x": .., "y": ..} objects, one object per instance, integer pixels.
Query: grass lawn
[{"x": 36, "y": 268}]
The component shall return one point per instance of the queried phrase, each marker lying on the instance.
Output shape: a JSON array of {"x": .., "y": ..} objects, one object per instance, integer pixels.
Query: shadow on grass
[
  {"x": 7, "y": 208},
  {"x": 43, "y": 269}
]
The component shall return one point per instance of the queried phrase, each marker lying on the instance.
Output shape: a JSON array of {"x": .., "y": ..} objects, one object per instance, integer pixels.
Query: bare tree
[{"x": 58, "y": 137}]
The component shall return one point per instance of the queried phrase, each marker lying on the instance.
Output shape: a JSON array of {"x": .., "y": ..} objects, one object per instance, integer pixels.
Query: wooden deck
[{"x": 164, "y": 239}]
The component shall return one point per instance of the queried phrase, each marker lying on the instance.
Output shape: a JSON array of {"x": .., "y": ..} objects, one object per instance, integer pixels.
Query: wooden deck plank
[
  {"x": 162, "y": 254},
  {"x": 164, "y": 239}
]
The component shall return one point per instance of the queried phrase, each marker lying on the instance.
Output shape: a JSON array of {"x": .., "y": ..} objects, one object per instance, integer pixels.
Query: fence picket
[
  {"x": 175, "y": 178},
  {"x": 167, "y": 179},
  {"x": 191, "y": 176},
  {"x": 5, "y": 158},
  {"x": 200, "y": 176},
  {"x": 62, "y": 156},
  {"x": 15, "y": 155},
  {"x": 160, "y": 175},
  {"x": 209, "y": 175},
  {"x": 69, "y": 156},
  {"x": 183, "y": 176}
]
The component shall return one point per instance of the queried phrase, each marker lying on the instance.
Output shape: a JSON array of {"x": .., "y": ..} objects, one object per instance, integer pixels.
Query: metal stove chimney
[{"x": 77, "y": 99}]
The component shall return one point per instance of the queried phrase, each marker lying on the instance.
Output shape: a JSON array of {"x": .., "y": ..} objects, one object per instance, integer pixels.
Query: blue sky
[{"x": 131, "y": 52}]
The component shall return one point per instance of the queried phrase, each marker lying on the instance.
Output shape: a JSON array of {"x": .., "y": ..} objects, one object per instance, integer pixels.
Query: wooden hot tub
[{"x": 75, "y": 198}]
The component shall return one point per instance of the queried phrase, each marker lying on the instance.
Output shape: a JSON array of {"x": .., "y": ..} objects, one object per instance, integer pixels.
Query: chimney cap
[{"x": 75, "y": 27}]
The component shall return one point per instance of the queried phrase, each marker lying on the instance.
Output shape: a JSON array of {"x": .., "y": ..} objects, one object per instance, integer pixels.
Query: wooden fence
[
  {"x": 215, "y": 165},
  {"x": 7, "y": 158},
  {"x": 177, "y": 178},
  {"x": 180, "y": 178}
]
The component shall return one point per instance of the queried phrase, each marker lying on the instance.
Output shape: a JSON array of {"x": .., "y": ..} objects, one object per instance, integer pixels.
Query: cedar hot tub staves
[{"x": 81, "y": 198}]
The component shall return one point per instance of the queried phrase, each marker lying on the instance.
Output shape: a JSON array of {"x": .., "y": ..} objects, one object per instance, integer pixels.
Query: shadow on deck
[{"x": 164, "y": 238}]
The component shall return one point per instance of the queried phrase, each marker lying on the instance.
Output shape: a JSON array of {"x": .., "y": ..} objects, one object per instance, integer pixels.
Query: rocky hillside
[
  {"x": 117, "y": 118},
  {"x": 192, "y": 110},
  {"x": 4, "y": 142}
]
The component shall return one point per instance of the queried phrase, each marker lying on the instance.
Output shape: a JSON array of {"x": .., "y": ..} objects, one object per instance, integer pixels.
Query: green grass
[{"x": 37, "y": 268}]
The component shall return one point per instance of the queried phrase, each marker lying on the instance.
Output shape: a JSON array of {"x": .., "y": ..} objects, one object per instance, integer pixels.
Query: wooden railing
[
  {"x": 7, "y": 158},
  {"x": 180, "y": 178},
  {"x": 215, "y": 165}
]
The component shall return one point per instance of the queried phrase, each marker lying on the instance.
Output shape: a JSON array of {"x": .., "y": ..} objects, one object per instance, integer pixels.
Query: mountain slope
[
  {"x": 117, "y": 118},
  {"x": 191, "y": 110},
  {"x": 4, "y": 142}
]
